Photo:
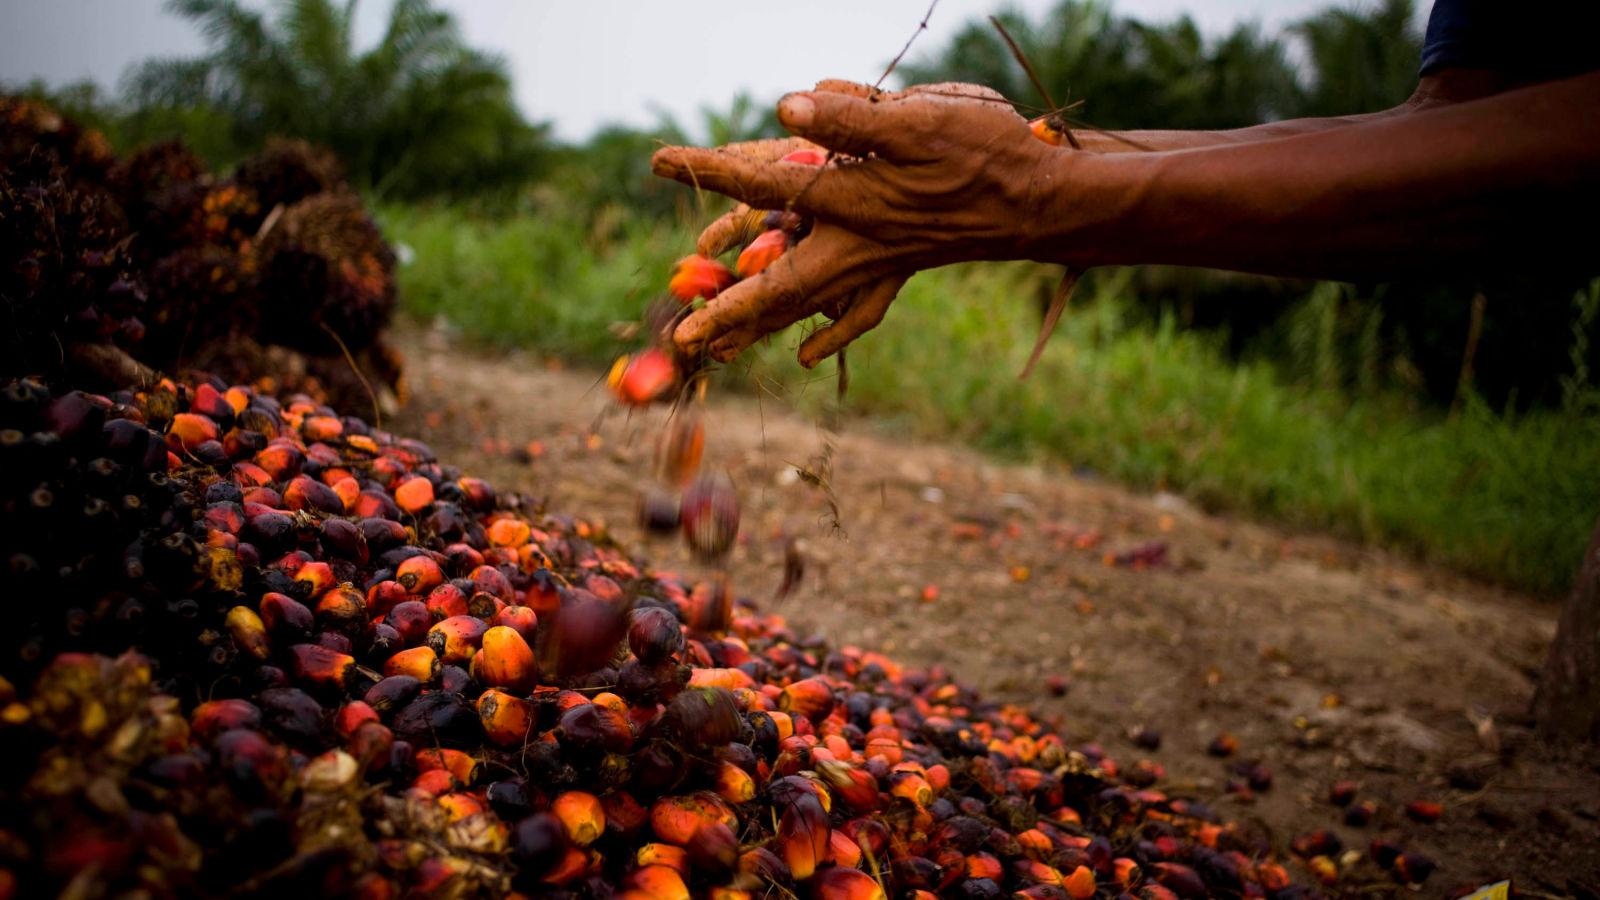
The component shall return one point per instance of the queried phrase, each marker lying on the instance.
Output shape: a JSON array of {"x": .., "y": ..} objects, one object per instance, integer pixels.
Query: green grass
[{"x": 1510, "y": 498}]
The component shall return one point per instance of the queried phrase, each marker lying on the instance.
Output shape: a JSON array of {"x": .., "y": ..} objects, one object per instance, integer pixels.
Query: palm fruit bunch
[
  {"x": 111, "y": 268},
  {"x": 258, "y": 646}
]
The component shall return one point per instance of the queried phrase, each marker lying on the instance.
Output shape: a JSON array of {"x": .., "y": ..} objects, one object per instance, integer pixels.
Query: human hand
[{"x": 918, "y": 179}]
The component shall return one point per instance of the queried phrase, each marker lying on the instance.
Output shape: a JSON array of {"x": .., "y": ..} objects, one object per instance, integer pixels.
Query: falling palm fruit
[
  {"x": 710, "y": 514},
  {"x": 698, "y": 277},
  {"x": 643, "y": 378}
]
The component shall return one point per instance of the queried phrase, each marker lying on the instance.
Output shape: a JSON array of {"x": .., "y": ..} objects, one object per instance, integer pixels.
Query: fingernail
[{"x": 796, "y": 111}]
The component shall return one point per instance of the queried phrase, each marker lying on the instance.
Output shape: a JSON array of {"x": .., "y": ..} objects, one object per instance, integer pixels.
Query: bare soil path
[{"x": 1326, "y": 660}]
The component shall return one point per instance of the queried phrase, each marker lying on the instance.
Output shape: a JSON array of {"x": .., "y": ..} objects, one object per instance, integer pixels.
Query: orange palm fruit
[
  {"x": 734, "y": 784},
  {"x": 348, "y": 491},
  {"x": 803, "y": 835},
  {"x": 727, "y": 893},
  {"x": 657, "y": 853},
  {"x": 842, "y": 851},
  {"x": 810, "y": 697},
  {"x": 574, "y": 863},
  {"x": 682, "y": 445},
  {"x": 509, "y": 532},
  {"x": 845, "y": 883},
  {"x": 249, "y": 632},
  {"x": 657, "y": 883},
  {"x": 414, "y": 494},
  {"x": 459, "y": 805},
  {"x": 676, "y": 819},
  {"x": 419, "y": 574},
  {"x": 343, "y": 608},
  {"x": 1272, "y": 876},
  {"x": 697, "y": 276},
  {"x": 213, "y": 717},
  {"x": 984, "y": 865},
  {"x": 420, "y": 663},
  {"x": 643, "y": 378},
  {"x": 581, "y": 815},
  {"x": 1044, "y": 131},
  {"x": 507, "y": 720},
  {"x": 1036, "y": 872},
  {"x": 318, "y": 665},
  {"x": 762, "y": 252},
  {"x": 457, "y": 638},
  {"x": 461, "y": 765},
  {"x": 189, "y": 430},
  {"x": 504, "y": 659},
  {"x": 1080, "y": 884}
]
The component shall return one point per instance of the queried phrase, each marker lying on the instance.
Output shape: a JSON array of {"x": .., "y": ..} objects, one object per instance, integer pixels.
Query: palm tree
[
  {"x": 1360, "y": 60},
  {"x": 418, "y": 113}
]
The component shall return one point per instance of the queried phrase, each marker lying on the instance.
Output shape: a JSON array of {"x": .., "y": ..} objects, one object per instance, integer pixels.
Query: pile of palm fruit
[
  {"x": 113, "y": 268},
  {"x": 258, "y": 646}
]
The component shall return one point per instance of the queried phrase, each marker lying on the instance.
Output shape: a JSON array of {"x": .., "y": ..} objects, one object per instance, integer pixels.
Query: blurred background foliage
[{"x": 1400, "y": 395}]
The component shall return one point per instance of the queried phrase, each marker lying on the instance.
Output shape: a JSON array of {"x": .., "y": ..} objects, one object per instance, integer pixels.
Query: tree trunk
[{"x": 1567, "y": 703}]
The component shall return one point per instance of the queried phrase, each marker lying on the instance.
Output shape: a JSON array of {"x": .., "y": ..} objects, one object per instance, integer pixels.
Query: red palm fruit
[
  {"x": 883, "y": 742},
  {"x": 657, "y": 883},
  {"x": 421, "y": 663},
  {"x": 476, "y": 493},
  {"x": 317, "y": 665},
  {"x": 734, "y": 784},
  {"x": 855, "y": 787},
  {"x": 307, "y": 493},
  {"x": 351, "y": 716},
  {"x": 419, "y": 574},
  {"x": 456, "y": 639},
  {"x": 806, "y": 156},
  {"x": 410, "y": 618},
  {"x": 285, "y": 616},
  {"x": 1320, "y": 842},
  {"x": 371, "y": 744},
  {"x": 1342, "y": 792},
  {"x": 446, "y": 600},
  {"x": 584, "y": 635},
  {"x": 710, "y": 514},
  {"x": 248, "y": 475},
  {"x": 1358, "y": 814},
  {"x": 543, "y": 594},
  {"x": 281, "y": 459},
  {"x": 710, "y": 609},
  {"x": 1223, "y": 745},
  {"x": 682, "y": 445},
  {"x": 414, "y": 494},
  {"x": 313, "y": 579},
  {"x": 1156, "y": 892},
  {"x": 189, "y": 430},
  {"x": 249, "y": 632},
  {"x": 842, "y": 851},
  {"x": 654, "y": 634},
  {"x": 248, "y": 755},
  {"x": 1413, "y": 868},
  {"x": 643, "y": 378},
  {"x": 373, "y": 886},
  {"x": 343, "y": 609},
  {"x": 581, "y": 815},
  {"x": 676, "y": 819},
  {"x": 845, "y": 883},
  {"x": 507, "y": 720},
  {"x": 803, "y": 835},
  {"x": 714, "y": 849},
  {"x": 697, "y": 276},
  {"x": 1080, "y": 884},
  {"x": 320, "y": 428},
  {"x": 505, "y": 660},
  {"x": 1035, "y": 872},
  {"x": 519, "y": 618},
  {"x": 762, "y": 252},
  {"x": 1044, "y": 131},
  {"x": 658, "y": 512},
  {"x": 810, "y": 697},
  {"x": 1127, "y": 873},
  {"x": 984, "y": 865},
  {"x": 1179, "y": 879},
  {"x": 487, "y": 579},
  {"x": 1424, "y": 811},
  {"x": 213, "y": 717},
  {"x": 659, "y": 854}
]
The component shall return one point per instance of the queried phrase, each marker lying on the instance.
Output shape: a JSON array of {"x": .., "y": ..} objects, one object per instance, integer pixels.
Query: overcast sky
[{"x": 582, "y": 63}]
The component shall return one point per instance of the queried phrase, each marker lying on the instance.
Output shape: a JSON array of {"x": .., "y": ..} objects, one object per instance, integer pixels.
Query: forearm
[
  {"x": 1158, "y": 141},
  {"x": 1466, "y": 183}
]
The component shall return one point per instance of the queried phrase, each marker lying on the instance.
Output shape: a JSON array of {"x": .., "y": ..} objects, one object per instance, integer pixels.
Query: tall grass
[{"x": 1508, "y": 497}]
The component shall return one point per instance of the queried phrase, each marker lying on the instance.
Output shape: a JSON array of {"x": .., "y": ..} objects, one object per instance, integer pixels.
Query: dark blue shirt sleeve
[{"x": 1534, "y": 40}]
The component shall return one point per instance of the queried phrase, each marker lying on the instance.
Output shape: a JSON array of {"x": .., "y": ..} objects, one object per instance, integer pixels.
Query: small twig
[
  {"x": 1052, "y": 315},
  {"x": 377, "y": 413},
  {"x": 1027, "y": 67},
  {"x": 921, "y": 27}
]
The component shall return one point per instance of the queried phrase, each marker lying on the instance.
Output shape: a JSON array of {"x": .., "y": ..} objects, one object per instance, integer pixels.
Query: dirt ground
[{"x": 1327, "y": 661}]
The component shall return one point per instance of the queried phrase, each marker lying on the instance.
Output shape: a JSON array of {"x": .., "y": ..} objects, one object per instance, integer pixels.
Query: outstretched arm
[{"x": 936, "y": 179}]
